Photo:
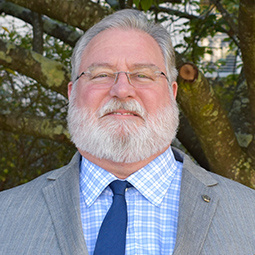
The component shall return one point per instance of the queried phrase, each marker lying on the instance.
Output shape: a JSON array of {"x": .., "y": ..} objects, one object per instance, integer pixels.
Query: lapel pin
[{"x": 206, "y": 198}]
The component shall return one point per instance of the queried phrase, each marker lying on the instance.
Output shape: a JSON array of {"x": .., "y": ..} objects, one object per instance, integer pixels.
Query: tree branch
[
  {"x": 35, "y": 126},
  {"x": 37, "y": 32},
  {"x": 188, "y": 16},
  {"x": 174, "y": 12},
  {"x": 82, "y": 13},
  {"x": 189, "y": 140},
  {"x": 58, "y": 30},
  {"x": 226, "y": 16},
  {"x": 201, "y": 107},
  {"x": 51, "y": 74}
]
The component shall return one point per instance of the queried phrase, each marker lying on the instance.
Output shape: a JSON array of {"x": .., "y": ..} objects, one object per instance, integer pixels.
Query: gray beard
[{"x": 125, "y": 141}]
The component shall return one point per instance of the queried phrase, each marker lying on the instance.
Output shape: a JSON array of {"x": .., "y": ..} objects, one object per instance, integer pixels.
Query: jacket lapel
[
  {"x": 198, "y": 203},
  {"x": 195, "y": 212},
  {"x": 63, "y": 200}
]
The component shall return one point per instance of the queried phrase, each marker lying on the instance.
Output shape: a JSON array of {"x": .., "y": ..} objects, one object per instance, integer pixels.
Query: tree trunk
[
  {"x": 212, "y": 126},
  {"x": 247, "y": 45}
]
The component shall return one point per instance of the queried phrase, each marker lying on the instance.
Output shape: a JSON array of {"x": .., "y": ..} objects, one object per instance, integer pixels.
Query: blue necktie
[{"x": 111, "y": 238}]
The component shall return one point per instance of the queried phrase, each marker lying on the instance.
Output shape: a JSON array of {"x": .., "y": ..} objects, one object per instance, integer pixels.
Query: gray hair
[{"x": 128, "y": 19}]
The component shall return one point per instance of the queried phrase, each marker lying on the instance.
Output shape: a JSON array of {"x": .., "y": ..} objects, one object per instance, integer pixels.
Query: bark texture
[
  {"x": 247, "y": 44},
  {"x": 213, "y": 128},
  {"x": 58, "y": 30},
  {"x": 78, "y": 13},
  {"x": 49, "y": 73},
  {"x": 35, "y": 126}
]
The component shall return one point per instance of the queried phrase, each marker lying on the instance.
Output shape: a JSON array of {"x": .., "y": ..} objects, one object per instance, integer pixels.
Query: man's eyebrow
[
  {"x": 132, "y": 67},
  {"x": 143, "y": 65},
  {"x": 96, "y": 65}
]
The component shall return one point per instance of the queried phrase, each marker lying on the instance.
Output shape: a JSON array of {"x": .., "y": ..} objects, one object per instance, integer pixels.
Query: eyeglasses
[{"x": 103, "y": 77}]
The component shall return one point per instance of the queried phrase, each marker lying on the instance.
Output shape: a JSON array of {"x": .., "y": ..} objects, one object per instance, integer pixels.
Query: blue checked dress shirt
[{"x": 152, "y": 204}]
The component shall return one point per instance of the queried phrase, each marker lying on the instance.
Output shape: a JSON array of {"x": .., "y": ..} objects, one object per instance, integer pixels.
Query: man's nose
[{"x": 122, "y": 87}]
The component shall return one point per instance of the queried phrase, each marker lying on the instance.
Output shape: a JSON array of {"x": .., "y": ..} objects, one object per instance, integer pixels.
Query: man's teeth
[{"x": 125, "y": 113}]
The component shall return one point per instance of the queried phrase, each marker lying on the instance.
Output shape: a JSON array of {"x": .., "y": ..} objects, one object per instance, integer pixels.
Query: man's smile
[{"x": 123, "y": 113}]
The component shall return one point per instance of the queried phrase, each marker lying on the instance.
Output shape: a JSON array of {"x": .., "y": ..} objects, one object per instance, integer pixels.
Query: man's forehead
[
  {"x": 132, "y": 66},
  {"x": 132, "y": 48},
  {"x": 101, "y": 36}
]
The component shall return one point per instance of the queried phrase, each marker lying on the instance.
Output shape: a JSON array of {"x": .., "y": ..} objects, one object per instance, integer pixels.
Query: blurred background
[{"x": 214, "y": 42}]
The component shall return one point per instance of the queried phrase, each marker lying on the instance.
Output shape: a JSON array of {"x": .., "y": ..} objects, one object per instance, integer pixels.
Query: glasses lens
[
  {"x": 143, "y": 77},
  {"x": 102, "y": 76}
]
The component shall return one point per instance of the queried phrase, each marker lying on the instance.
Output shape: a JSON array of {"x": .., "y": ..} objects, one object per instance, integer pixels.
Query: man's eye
[
  {"x": 100, "y": 75},
  {"x": 142, "y": 76}
]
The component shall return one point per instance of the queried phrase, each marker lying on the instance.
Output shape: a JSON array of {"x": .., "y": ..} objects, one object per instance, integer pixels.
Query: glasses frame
[{"x": 117, "y": 76}]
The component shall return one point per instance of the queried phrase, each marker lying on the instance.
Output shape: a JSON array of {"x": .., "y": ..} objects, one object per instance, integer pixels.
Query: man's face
[
  {"x": 122, "y": 116},
  {"x": 123, "y": 50}
]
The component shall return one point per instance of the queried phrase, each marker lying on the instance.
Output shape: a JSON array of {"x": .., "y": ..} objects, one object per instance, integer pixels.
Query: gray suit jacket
[{"x": 43, "y": 216}]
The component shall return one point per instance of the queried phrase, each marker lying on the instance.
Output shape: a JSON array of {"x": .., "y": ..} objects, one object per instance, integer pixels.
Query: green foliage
[
  {"x": 24, "y": 157},
  {"x": 143, "y": 4},
  {"x": 57, "y": 50},
  {"x": 18, "y": 34}
]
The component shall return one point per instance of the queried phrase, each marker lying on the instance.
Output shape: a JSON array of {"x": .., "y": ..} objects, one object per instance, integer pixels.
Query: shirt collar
[
  {"x": 93, "y": 180},
  {"x": 152, "y": 181}
]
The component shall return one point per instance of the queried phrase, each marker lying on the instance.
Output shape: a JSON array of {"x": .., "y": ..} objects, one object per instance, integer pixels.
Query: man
[{"x": 122, "y": 118}]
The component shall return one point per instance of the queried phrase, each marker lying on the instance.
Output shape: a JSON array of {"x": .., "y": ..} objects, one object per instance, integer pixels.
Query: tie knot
[{"x": 118, "y": 187}]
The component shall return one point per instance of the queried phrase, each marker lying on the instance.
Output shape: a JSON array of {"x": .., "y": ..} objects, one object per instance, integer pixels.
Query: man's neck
[{"x": 119, "y": 169}]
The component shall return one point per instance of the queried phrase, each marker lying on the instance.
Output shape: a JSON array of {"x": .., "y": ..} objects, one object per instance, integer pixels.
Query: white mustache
[{"x": 114, "y": 105}]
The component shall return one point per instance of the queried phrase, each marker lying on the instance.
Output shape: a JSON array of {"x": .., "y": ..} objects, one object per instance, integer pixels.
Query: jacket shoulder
[
  {"x": 33, "y": 188},
  {"x": 27, "y": 226}
]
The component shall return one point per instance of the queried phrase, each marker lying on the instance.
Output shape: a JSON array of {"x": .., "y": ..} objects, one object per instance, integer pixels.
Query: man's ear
[
  {"x": 70, "y": 87},
  {"x": 174, "y": 88}
]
